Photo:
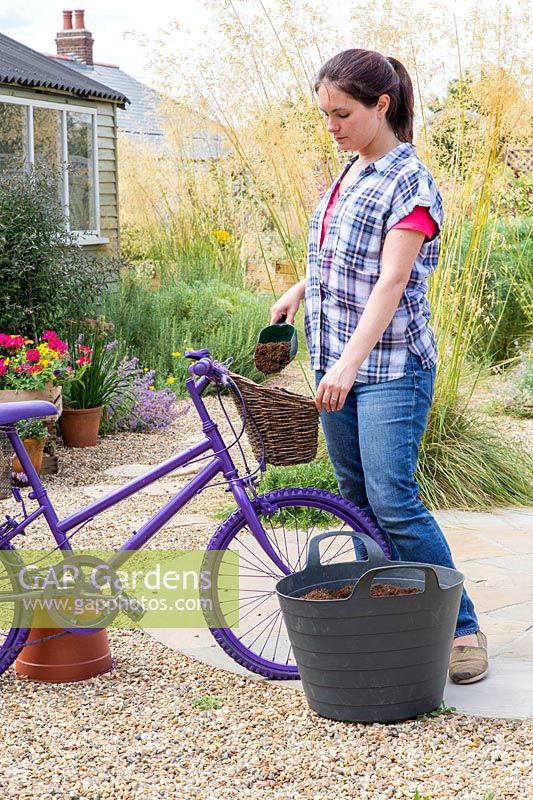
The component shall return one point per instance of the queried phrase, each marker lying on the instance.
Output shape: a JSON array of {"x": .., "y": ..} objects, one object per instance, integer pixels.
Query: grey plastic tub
[{"x": 371, "y": 659}]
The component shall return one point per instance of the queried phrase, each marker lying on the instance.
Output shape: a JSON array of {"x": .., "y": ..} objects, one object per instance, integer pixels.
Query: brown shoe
[{"x": 469, "y": 664}]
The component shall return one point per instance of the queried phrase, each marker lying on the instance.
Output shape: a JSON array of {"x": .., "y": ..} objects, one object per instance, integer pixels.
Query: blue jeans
[{"x": 373, "y": 444}]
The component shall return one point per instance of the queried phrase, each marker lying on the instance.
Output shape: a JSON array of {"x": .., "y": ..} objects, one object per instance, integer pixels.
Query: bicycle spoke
[
  {"x": 252, "y": 565},
  {"x": 277, "y": 638},
  {"x": 275, "y": 544},
  {"x": 266, "y": 621},
  {"x": 262, "y": 597},
  {"x": 251, "y": 610},
  {"x": 285, "y": 540},
  {"x": 269, "y": 634}
]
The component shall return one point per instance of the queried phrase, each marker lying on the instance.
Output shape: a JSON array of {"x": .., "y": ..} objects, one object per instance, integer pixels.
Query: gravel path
[{"x": 136, "y": 732}]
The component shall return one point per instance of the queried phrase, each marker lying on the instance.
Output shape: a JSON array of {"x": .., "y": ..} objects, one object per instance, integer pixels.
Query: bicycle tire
[
  {"x": 12, "y": 638},
  {"x": 236, "y": 642}
]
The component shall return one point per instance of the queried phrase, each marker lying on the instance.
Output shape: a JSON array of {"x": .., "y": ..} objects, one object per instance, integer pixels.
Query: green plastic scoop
[{"x": 276, "y": 347}]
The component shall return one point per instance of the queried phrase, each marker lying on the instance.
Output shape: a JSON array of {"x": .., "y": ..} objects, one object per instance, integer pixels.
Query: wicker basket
[
  {"x": 5, "y": 466},
  {"x": 287, "y": 422}
]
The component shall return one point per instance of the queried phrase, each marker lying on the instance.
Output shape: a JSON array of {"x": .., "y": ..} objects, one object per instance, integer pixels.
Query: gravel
[{"x": 136, "y": 733}]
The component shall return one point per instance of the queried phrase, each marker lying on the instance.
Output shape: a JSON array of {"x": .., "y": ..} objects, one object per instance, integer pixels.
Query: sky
[
  {"x": 117, "y": 26},
  {"x": 120, "y": 26}
]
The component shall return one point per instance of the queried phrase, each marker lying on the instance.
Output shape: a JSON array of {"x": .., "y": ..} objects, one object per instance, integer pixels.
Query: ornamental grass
[{"x": 255, "y": 82}]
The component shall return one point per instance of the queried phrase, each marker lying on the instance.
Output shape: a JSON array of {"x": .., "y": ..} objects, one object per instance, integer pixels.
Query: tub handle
[
  {"x": 431, "y": 579},
  {"x": 374, "y": 552}
]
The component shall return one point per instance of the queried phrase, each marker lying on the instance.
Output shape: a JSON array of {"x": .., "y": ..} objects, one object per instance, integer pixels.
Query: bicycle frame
[{"x": 220, "y": 463}]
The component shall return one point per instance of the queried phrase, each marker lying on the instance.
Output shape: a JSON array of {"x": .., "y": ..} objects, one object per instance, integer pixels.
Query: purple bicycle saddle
[{"x": 25, "y": 409}]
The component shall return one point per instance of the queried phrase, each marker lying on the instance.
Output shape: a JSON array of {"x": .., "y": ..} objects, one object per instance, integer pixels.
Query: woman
[{"x": 373, "y": 241}]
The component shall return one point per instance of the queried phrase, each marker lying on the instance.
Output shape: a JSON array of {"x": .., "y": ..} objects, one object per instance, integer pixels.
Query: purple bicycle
[{"x": 271, "y": 532}]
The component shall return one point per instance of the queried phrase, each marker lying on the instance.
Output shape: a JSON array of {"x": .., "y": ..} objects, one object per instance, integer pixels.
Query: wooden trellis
[{"x": 520, "y": 159}]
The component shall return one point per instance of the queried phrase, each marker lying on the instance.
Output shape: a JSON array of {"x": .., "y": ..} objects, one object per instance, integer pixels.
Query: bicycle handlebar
[
  {"x": 207, "y": 367},
  {"x": 201, "y": 367}
]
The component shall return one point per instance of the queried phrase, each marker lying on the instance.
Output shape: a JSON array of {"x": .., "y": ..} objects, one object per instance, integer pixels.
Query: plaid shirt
[{"x": 342, "y": 273}]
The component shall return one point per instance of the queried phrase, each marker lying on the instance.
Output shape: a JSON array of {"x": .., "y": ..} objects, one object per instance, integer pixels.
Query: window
[
  {"x": 81, "y": 172},
  {"x": 62, "y": 137},
  {"x": 13, "y": 136}
]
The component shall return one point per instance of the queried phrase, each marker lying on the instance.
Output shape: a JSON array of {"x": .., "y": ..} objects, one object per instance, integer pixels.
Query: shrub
[
  {"x": 505, "y": 321},
  {"x": 156, "y": 322},
  {"x": 143, "y": 407},
  {"x": 46, "y": 278},
  {"x": 515, "y": 396}
]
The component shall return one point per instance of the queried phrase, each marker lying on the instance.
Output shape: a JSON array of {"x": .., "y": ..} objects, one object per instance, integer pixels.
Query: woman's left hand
[{"x": 334, "y": 386}]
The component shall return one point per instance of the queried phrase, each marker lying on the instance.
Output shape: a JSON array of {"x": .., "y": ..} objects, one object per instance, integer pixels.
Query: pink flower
[
  {"x": 3, "y": 367},
  {"x": 55, "y": 342},
  {"x": 35, "y": 368},
  {"x": 12, "y": 342},
  {"x": 82, "y": 360},
  {"x": 32, "y": 355}
]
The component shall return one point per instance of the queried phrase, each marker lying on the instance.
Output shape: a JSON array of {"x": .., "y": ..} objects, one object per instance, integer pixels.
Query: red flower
[
  {"x": 32, "y": 355},
  {"x": 11, "y": 342},
  {"x": 55, "y": 342},
  {"x": 35, "y": 368}
]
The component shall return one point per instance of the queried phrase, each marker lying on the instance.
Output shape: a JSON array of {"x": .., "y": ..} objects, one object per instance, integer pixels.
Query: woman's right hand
[{"x": 288, "y": 304}]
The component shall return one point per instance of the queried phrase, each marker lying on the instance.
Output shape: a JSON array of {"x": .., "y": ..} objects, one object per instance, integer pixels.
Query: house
[
  {"x": 143, "y": 121},
  {"x": 50, "y": 113}
]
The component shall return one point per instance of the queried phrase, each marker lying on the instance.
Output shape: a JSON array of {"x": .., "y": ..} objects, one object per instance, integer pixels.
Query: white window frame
[{"x": 82, "y": 237}]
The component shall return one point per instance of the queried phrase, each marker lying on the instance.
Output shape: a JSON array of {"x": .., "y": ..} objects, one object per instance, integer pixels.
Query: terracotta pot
[
  {"x": 79, "y": 426},
  {"x": 35, "y": 450},
  {"x": 74, "y": 657}
]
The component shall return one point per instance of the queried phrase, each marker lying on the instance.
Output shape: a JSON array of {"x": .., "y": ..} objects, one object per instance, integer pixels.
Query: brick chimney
[{"x": 75, "y": 41}]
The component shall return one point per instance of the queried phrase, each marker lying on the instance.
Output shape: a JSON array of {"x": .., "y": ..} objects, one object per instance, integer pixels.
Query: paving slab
[
  {"x": 486, "y": 572},
  {"x": 515, "y": 564},
  {"x": 467, "y": 544},
  {"x": 158, "y": 489},
  {"x": 506, "y": 692},
  {"x": 521, "y": 611},
  {"x": 502, "y": 633},
  {"x": 136, "y": 470},
  {"x": 520, "y": 518},
  {"x": 511, "y": 539},
  {"x": 487, "y": 598}
]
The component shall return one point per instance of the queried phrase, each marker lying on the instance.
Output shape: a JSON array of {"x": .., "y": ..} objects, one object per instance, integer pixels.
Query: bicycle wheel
[
  {"x": 13, "y": 634},
  {"x": 260, "y": 642}
]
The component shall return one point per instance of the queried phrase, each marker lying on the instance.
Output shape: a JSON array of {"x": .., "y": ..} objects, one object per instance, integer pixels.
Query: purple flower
[{"x": 141, "y": 408}]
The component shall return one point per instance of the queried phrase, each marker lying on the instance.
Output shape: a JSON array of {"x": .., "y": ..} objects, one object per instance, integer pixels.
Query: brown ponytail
[
  {"x": 366, "y": 75},
  {"x": 401, "y": 116}
]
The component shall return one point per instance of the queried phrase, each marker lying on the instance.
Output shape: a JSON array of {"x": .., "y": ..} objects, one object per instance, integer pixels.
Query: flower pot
[
  {"x": 51, "y": 393},
  {"x": 79, "y": 426},
  {"x": 35, "y": 450},
  {"x": 75, "y": 657},
  {"x": 367, "y": 658}
]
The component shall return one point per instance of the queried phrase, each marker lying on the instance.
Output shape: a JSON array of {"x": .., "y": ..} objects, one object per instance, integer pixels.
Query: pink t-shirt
[{"x": 418, "y": 220}]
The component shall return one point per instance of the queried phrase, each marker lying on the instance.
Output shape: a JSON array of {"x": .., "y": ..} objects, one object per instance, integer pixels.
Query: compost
[
  {"x": 378, "y": 590},
  {"x": 272, "y": 357}
]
